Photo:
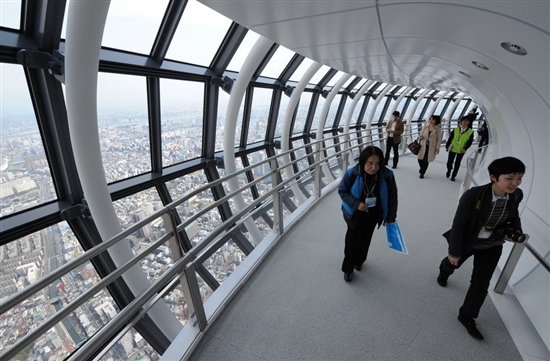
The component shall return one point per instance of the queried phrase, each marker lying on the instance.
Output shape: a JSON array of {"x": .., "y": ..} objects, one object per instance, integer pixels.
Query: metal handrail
[{"x": 187, "y": 259}]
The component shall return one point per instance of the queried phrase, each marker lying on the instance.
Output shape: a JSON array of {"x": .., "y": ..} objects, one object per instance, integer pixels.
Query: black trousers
[
  {"x": 389, "y": 145},
  {"x": 485, "y": 262},
  {"x": 456, "y": 158},
  {"x": 423, "y": 163},
  {"x": 357, "y": 242},
  {"x": 483, "y": 141}
]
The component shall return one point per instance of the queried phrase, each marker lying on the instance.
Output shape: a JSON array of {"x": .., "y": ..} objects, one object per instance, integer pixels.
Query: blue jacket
[{"x": 350, "y": 191}]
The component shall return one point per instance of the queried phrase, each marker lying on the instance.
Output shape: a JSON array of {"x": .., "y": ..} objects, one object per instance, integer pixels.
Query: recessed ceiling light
[
  {"x": 463, "y": 73},
  {"x": 479, "y": 65},
  {"x": 514, "y": 48}
]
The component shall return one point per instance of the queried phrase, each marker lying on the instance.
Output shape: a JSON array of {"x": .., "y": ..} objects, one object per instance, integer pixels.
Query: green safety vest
[{"x": 460, "y": 140}]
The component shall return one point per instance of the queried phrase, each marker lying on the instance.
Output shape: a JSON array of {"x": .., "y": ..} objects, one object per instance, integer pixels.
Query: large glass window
[
  {"x": 25, "y": 178},
  {"x": 281, "y": 115},
  {"x": 199, "y": 28},
  {"x": 419, "y": 109},
  {"x": 133, "y": 25},
  {"x": 332, "y": 111},
  {"x": 459, "y": 108},
  {"x": 317, "y": 116},
  {"x": 319, "y": 74},
  {"x": 259, "y": 114},
  {"x": 301, "y": 70},
  {"x": 440, "y": 107},
  {"x": 10, "y": 13},
  {"x": 278, "y": 62},
  {"x": 26, "y": 261},
  {"x": 123, "y": 126},
  {"x": 181, "y": 120},
  {"x": 244, "y": 49}
]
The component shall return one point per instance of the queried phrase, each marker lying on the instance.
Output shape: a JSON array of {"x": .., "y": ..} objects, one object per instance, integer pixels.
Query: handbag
[
  {"x": 395, "y": 238},
  {"x": 414, "y": 147}
]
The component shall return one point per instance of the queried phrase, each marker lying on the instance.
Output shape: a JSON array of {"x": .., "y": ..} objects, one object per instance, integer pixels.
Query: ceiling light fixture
[
  {"x": 479, "y": 65},
  {"x": 463, "y": 73},
  {"x": 514, "y": 48}
]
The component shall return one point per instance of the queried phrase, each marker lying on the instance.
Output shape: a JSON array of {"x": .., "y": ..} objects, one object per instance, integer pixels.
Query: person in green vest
[{"x": 459, "y": 141}]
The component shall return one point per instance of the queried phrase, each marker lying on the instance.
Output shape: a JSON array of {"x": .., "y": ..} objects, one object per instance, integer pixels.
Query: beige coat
[
  {"x": 435, "y": 142},
  {"x": 399, "y": 128}
]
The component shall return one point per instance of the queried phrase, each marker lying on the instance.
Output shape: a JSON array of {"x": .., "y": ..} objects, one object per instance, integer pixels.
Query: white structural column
[
  {"x": 250, "y": 65},
  {"x": 322, "y": 120},
  {"x": 285, "y": 136},
  {"x": 435, "y": 104},
  {"x": 85, "y": 24},
  {"x": 351, "y": 109}
]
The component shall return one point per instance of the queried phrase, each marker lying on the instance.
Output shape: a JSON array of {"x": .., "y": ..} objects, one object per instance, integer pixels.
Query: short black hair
[
  {"x": 367, "y": 152},
  {"x": 464, "y": 118},
  {"x": 506, "y": 165},
  {"x": 437, "y": 119},
  {"x": 396, "y": 113}
]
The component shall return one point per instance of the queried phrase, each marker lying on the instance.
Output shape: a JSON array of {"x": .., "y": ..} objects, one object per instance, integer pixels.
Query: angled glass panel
[
  {"x": 379, "y": 88},
  {"x": 244, "y": 49},
  {"x": 123, "y": 125},
  {"x": 332, "y": 111},
  {"x": 199, "y": 34},
  {"x": 440, "y": 107},
  {"x": 25, "y": 178},
  {"x": 419, "y": 108},
  {"x": 278, "y": 62},
  {"x": 281, "y": 116},
  {"x": 29, "y": 259},
  {"x": 259, "y": 114},
  {"x": 10, "y": 14},
  {"x": 301, "y": 115},
  {"x": 336, "y": 78},
  {"x": 360, "y": 84},
  {"x": 133, "y": 25},
  {"x": 317, "y": 116},
  {"x": 459, "y": 108},
  {"x": 323, "y": 70},
  {"x": 301, "y": 70},
  {"x": 223, "y": 100},
  {"x": 181, "y": 120}
]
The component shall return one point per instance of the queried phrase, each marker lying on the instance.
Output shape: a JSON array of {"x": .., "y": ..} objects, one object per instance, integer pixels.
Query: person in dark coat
[
  {"x": 369, "y": 198},
  {"x": 478, "y": 230},
  {"x": 484, "y": 136}
]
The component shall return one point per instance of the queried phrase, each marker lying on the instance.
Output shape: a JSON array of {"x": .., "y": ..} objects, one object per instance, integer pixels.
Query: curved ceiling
[{"x": 425, "y": 44}]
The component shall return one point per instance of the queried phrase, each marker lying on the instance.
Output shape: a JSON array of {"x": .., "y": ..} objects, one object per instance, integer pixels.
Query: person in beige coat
[
  {"x": 394, "y": 129},
  {"x": 430, "y": 142}
]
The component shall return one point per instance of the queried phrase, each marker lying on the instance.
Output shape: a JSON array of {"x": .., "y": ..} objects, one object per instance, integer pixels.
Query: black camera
[{"x": 509, "y": 231}]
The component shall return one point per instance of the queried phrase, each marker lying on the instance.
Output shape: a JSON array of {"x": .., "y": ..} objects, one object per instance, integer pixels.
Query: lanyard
[
  {"x": 492, "y": 210},
  {"x": 369, "y": 189}
]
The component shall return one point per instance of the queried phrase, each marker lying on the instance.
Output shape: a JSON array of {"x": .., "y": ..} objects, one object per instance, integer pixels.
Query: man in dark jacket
[{"x": 482, "y": 215}]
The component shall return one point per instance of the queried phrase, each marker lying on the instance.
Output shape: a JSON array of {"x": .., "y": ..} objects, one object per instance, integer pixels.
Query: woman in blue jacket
[{"x": 369, "y": 198}]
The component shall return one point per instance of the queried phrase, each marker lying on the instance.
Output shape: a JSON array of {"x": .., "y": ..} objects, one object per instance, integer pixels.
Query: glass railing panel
[
  {"x": 25, "y": 178},
  {"x": 27, "y": 260},
  {"x": 123, "y": 126},
  {"x": 182, "y": 105}
]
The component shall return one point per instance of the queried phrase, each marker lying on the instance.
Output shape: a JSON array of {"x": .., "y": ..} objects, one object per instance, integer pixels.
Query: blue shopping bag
[{"x": 395, "y": 238}]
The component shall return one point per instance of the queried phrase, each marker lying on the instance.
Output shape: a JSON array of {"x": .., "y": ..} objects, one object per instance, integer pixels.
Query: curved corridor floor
[{"x": 297, "y": 305}]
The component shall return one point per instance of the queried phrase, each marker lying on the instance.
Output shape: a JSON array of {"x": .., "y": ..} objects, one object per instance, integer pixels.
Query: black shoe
[
  {"x": 348, "y": 276},
  {"x": 453, "y": 179},
  {"x": 442, "y": 280},
  {"x": 394, "y": 167},
  {"x": 358, "y": 267},
  {"x": 470, "y": 325},
  {"x": 421, "y": 176},
  {"x": 448, "y": 173}
]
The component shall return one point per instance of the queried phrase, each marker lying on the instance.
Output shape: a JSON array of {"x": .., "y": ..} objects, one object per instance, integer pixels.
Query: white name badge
[
  {"x": 370, "y": 201},
  {"x": 485, "y": 233}
]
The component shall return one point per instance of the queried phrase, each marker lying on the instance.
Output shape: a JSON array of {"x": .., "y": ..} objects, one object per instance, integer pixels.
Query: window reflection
[
  {"x": 123, "y": 126},
  {"x": 181, "y": 120},
  {"x": 25, "y": 178}
]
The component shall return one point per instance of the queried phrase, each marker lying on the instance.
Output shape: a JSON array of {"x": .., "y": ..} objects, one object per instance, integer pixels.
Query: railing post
[
  {"x": 277, "y": 201},
  {"x": 190, "y": 287},
  {"x": 509, "y": 267}
]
